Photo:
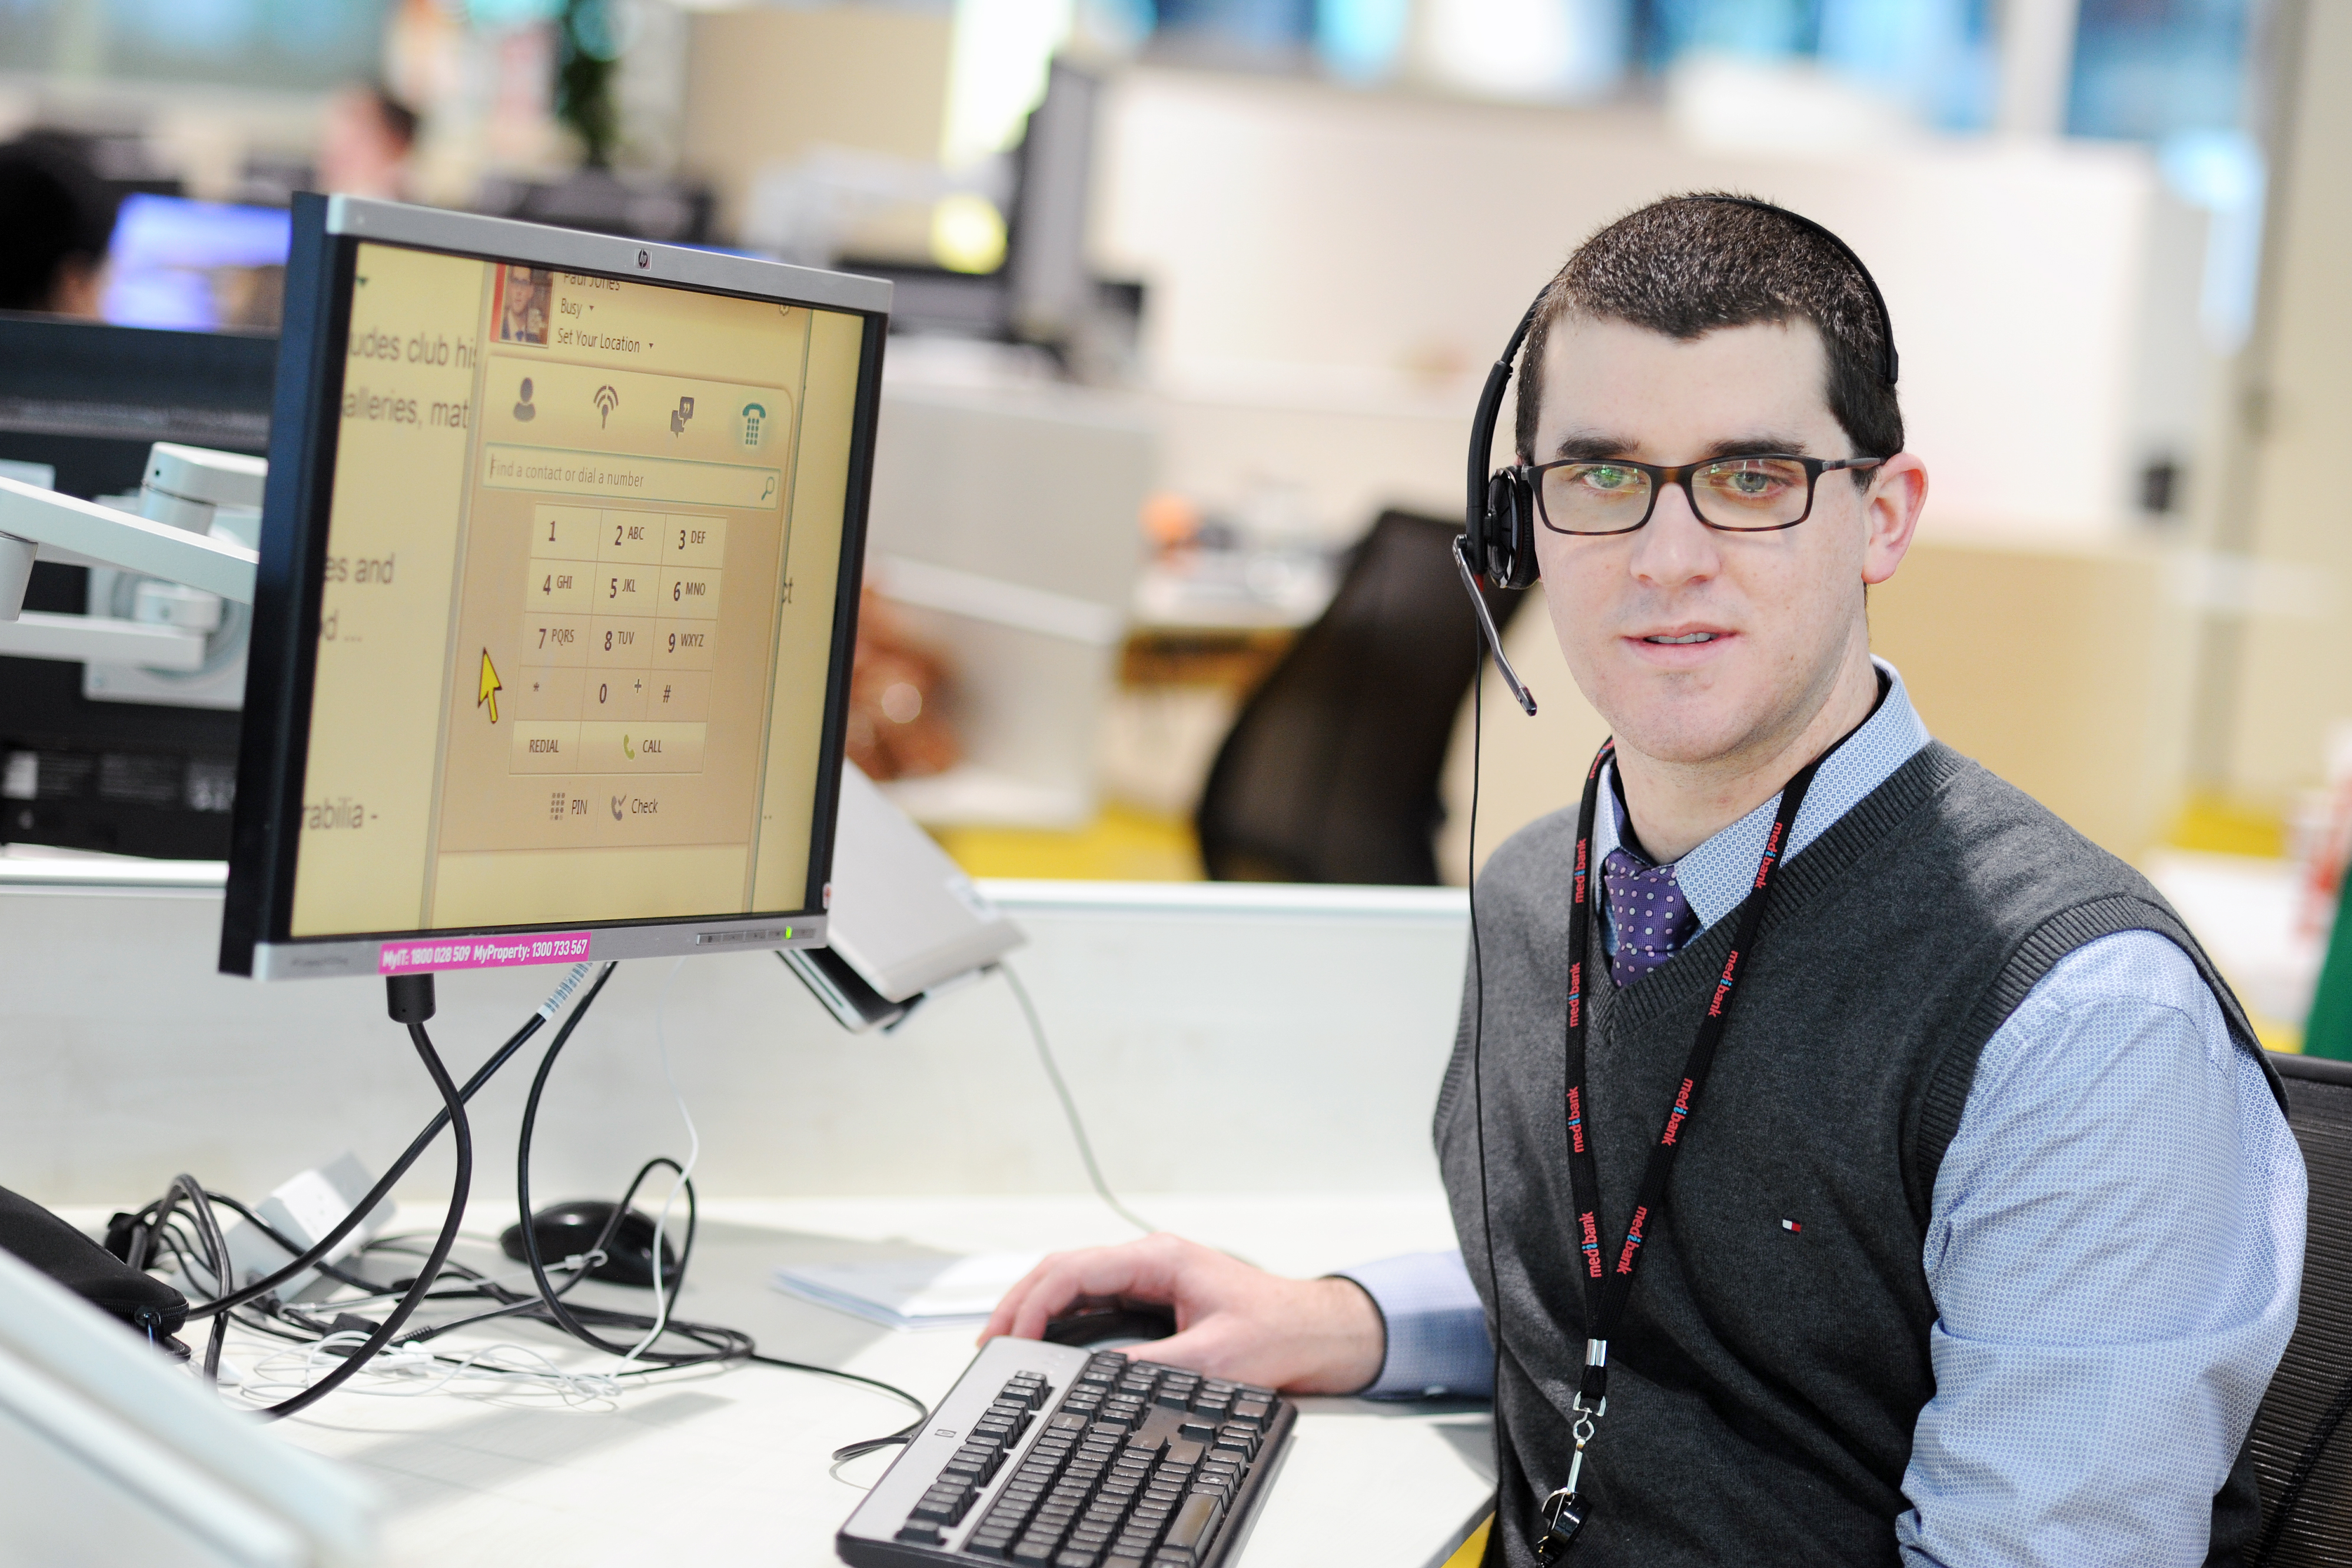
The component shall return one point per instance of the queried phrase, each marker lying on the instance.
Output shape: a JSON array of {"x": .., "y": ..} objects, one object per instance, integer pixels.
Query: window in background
[
  {"x": 1359, "y": 40},
  {"x": 1563, "y": 49},
  {"x": 2151, "y": 68},
  {"x": 244, "y": 42},
  {"x": 1930, "y": 60},
  {"x": 1245, "y": 33}
]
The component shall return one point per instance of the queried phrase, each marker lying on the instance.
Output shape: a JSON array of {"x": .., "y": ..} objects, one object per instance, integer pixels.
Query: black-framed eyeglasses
[{"x": 1752, "y": 493}]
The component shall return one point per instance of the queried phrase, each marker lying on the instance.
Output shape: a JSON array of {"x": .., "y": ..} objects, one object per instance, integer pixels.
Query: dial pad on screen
[{"x": 620, "y": 612}]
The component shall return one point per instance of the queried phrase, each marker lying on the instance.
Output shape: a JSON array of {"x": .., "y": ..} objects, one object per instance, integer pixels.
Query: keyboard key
[
  {"x": 1185, "y": 1453},
  {"x": 943, "y": 1503},
  {"x": 921, "y": 1533},
  {"x": 1077, "y": 1558},
  {"x": 1066, "y": 1423},
  {"x": 1189, "y": 1532},
  {"x": 1254, "y": 1410},
  {"x": 1035, "y": 1548}
]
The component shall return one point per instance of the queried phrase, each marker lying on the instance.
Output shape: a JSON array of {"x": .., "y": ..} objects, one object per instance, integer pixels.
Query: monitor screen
[
  {"x": 558, "y": 579},
  {"x": 198, "y": 266}
]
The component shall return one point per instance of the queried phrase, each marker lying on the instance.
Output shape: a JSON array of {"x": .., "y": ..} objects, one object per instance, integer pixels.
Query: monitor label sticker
[{"x": 407, "y": 957}]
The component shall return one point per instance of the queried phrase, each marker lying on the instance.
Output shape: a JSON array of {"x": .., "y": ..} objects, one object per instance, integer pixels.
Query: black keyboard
[{"x": 1054, "y": 1456}]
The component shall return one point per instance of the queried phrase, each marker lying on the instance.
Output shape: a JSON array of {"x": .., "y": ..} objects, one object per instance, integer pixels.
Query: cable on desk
[
  {"x": 906, "y": 1434},
  {"x": 293, "y": 1248},
  {"x": 721, "y": 1343},
  {"x": 664, "y": 1301},
  {"x": 162, "y": 1228},
  {"x": 513, "y": 1303},
  {"x": 310, "y": 1256},
  {"x": 1069, "y": 1106},
  {"x": 462, "y": 1181}
]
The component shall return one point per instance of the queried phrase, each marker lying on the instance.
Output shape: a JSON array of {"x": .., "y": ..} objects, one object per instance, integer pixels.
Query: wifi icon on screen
[{"x": 606, "y": 401}]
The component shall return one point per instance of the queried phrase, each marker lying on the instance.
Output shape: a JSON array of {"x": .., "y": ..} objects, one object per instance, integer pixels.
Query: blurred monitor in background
[
  {"x": 364, "y": 140},
  {"x": 195, "y": 265},
  {"x": 54, "y": 217}
]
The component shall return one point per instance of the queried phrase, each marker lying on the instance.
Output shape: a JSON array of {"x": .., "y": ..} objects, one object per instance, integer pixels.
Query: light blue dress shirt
[{"x": 2115, "y": 1245}]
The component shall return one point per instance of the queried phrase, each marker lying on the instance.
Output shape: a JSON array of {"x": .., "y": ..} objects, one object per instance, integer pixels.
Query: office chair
[
  {"x": 2302, "y": 1453},
  {"x": 1330, "y": 773}
]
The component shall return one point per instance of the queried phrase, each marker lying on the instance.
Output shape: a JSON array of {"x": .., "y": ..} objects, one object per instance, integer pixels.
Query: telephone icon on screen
[{"x": 755, "y": 418}]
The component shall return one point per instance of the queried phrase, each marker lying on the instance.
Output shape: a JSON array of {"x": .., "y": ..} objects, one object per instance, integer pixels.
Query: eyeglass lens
[{"x": 1736, "y": 493}]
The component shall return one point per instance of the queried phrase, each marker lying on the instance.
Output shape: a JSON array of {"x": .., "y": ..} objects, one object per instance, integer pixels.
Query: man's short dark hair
[
  {"x": 1685, "y": 265},
  {"x": 53, "y": 210}
]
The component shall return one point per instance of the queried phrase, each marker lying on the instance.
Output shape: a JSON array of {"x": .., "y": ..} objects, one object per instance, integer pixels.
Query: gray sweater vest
[{"x": 1765, "y": 1382}]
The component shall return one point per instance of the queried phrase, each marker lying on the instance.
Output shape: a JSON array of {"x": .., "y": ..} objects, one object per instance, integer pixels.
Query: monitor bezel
[{"x": 289, "y": 586}]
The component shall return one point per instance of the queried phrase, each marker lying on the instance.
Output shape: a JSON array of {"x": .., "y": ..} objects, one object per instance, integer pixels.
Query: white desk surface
[{"x": 734, "y": 1466}]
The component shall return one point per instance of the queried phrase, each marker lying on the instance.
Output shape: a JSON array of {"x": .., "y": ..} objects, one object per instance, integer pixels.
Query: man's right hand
[{"x": 1303, "y": 1336}]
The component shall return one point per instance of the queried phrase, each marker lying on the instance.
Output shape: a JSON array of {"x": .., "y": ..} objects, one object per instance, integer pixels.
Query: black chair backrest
[
  {"x": 1330, "y": 773},
  {"x": 2304, "y": 1456}
]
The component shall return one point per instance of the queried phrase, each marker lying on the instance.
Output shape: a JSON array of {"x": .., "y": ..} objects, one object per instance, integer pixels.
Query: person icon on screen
[{"x": 524, "y": 410}]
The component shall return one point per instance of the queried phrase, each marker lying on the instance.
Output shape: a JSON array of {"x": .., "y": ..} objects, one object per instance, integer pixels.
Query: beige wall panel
[
  {"x": 763, "y": 85},
  {"x": 2293, "y": 679},
  {"x": 2064, "y": 672}
]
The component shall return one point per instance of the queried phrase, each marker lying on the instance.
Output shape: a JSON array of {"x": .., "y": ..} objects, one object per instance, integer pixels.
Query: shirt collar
[{"x": 1717, "y": 875}]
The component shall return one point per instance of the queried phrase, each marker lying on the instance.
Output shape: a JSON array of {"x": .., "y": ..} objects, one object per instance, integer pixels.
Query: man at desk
[{"x": 1986, "y": 1236}]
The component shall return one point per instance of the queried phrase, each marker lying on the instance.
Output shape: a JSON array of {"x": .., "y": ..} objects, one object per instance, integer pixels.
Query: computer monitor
[
  {"x": 556, "y": 601},
  {"x": 195, "y": 265},
  {"x": 89, "y": 760}
]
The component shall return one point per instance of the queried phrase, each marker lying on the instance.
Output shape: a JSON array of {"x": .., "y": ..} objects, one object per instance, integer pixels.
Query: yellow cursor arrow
[{"x": 490, "y": 687}]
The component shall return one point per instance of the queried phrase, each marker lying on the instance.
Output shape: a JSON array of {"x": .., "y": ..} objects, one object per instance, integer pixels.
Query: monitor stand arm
[{"x": 36, "y": 522}]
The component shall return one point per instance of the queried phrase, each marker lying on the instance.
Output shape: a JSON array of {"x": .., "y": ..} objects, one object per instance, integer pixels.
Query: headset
[{"x": 1497, "y": 542}]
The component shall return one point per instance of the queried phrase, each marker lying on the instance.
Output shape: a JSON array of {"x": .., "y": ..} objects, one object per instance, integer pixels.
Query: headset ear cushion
[{"x": 1508, "y": 549}]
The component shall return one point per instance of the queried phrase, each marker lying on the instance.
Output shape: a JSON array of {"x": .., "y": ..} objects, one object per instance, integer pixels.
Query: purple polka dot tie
[{"x": 1652, "y": 918}]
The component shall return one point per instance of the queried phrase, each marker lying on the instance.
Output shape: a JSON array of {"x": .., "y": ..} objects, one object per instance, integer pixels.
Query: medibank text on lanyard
[{"x": 1608, "y": 1282}]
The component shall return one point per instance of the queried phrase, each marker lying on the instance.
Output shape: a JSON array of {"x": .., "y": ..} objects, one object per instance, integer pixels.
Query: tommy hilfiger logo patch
[{"x": 1792, "y": 1226}]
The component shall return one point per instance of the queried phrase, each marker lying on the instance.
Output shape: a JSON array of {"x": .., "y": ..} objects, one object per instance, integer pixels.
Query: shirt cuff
[{"x": 1437, "y": 1341}]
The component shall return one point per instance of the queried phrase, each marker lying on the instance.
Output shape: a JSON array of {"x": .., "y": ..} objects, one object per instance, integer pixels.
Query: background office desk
[{"x": 1273, "y": 1051}]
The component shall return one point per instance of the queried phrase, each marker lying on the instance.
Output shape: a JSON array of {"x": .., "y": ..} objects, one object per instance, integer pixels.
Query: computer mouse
[
  {"x": 565, "y": 1229},
  {"x": 1111, "y": 1325}
]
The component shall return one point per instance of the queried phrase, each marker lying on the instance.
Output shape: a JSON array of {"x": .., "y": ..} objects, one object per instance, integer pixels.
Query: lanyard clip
[{"x": 1563, "y": 1518}]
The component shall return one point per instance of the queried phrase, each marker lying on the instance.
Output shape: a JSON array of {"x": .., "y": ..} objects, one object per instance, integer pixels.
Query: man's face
[{"x": 1763, "y": 623}]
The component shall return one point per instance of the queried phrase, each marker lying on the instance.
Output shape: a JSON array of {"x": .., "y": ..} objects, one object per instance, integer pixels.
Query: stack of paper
[{"x": 911, "y": 1292}]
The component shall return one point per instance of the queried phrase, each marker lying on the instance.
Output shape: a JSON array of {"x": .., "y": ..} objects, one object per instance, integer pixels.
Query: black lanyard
[{"x": 1609, "y": 1283}]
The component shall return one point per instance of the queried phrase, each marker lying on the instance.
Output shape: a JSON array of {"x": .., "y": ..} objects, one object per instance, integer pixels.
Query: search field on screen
[{"x": 621, "y": 476}]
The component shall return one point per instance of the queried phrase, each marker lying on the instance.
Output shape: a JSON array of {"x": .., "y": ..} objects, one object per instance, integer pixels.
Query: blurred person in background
[
  {"x": 54, "y": 220},
  {"x": 364, "y": 143}
]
